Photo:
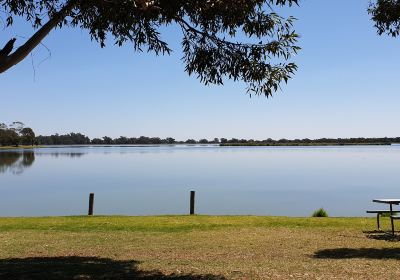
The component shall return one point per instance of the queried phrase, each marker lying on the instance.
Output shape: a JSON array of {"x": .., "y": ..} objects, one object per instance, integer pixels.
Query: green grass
[
  {"x": 196, "y": 248},
  {"x": 172, "y": 223},
  {"x": 19, "y": 147}
]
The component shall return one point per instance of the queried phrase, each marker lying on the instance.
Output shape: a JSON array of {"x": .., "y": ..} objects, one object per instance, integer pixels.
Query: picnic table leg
[
  {"x": 391, "y": 219},
  {"x": 377, "y": 221}
]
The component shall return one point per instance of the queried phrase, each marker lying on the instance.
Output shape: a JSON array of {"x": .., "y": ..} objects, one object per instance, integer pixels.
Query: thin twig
[
  {"x": 32, "y": 55},
  {"x": 33, "y": 67}
]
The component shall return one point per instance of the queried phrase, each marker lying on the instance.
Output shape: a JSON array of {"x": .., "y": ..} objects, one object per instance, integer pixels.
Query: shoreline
[
  {"x": 161, "y": 216},
  {"x": 19, "y": 147},
  {"x": 301, "y": 144},
  {"x": 194, "y": 145}
]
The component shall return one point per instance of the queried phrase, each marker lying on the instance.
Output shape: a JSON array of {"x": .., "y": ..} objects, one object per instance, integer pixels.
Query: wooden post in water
[
  {"x": 91, "y": 202},
  {"x": 192, "y": 194}
]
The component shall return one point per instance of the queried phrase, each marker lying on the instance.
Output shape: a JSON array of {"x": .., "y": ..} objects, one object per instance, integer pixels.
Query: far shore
[
  {"x": 184, "y": 144},
  {"x": 19, "y": 147},
  {"x": 300, "y": 144}
]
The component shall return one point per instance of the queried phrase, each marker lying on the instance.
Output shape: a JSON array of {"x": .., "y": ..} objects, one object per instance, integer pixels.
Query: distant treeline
[
  {"x": 80, "y": 139},
  {"x": 17, "y": 134},
  {"x": 311, "y": 142},
  {"x": 67, "y": 139}
]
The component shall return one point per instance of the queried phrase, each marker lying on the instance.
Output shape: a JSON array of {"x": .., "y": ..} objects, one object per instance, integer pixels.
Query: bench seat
[{"x": 380, "y": 212}]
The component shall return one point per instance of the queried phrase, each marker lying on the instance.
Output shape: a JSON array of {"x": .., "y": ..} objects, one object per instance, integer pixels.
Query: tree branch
[
  {"x": 9, "y": 60},
  {"x": 7, "y": 48},
  {"x": 188, "y": 28}
]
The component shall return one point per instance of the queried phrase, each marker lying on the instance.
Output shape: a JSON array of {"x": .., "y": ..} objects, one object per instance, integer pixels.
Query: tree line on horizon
[
  {"x": 17, "y": 134},
  {"x": 81, "y": 139}
]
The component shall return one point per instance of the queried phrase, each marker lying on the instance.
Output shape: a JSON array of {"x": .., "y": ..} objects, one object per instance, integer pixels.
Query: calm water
[{"x": 290, "y": 181}]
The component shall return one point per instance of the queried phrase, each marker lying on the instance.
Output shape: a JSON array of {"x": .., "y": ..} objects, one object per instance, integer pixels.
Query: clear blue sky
[{"x": 347, "y": 85}]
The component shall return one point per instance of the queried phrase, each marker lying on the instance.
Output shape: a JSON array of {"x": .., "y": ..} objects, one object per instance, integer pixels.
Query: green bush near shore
[{"x": 320, "y": 213}]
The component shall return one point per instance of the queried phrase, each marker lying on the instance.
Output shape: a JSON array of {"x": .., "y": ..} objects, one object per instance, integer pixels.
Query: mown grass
[
  {"x": 19, "y": 147},
  {"x": 196, "y": 247},
  {"x": 174, "y": 223}
]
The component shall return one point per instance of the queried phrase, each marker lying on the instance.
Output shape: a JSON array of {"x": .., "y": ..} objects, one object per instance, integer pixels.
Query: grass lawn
[
  {"x": 196, "y": 247},
  {"x": 19, "y": 147}
]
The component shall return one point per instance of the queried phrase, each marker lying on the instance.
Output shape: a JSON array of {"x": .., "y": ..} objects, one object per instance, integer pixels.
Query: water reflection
[
  {"x": 16, "y": 162},
  {"x": 71, "y": 155},
  {"x": 291, "y": 181}
]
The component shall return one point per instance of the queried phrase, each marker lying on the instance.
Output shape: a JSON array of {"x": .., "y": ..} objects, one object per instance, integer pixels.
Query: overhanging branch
[{"x": 8, "y": 60}]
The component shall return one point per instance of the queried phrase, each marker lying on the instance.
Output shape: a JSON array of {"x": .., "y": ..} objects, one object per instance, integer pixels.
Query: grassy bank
[
  {"x": 197, "y": 247},
  {"x": 19, "y": 147}
]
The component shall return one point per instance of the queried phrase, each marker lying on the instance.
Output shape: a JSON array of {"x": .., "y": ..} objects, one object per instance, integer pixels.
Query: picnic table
[{"x": 391, "y": 202}]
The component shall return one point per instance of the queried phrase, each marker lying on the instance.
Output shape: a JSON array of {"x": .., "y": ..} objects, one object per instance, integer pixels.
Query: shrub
[{"x": 320, "y": 213}]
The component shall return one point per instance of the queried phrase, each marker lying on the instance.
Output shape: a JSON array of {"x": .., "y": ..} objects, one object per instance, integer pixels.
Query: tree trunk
[{"x": 8, "y": 61}]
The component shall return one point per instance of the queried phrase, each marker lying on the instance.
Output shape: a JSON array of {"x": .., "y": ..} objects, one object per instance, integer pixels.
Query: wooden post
[
  {"x": 91, "y": 202},
  {"x": 192, "y": 194}
]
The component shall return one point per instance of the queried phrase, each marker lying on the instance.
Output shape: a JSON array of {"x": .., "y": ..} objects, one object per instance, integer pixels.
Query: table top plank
[{"x": 387, "y": 200}]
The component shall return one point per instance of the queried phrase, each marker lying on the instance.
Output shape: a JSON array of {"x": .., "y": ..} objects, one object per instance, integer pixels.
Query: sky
[{"x": 346, "y": 86}]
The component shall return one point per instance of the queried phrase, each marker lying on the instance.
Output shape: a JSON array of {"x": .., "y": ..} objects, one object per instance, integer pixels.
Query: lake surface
[{"x": 289, "y": 181}]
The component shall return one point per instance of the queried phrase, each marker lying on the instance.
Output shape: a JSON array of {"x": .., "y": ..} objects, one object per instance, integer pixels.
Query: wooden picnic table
[{"x": 391, "y": 202}]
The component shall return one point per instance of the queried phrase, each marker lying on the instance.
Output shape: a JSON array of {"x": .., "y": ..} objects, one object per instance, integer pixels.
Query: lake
[{"x": 288, "y": 181}]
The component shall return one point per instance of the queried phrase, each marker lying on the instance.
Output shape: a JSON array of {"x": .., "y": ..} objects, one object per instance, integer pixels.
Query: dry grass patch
[{"x": 200, "y": 247}]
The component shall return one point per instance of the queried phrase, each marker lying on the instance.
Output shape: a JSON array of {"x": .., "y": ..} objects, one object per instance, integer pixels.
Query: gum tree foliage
[
  {"x": 211, "y": 29},
  {"x": 27, "y": 136},
  {"x": 386, "y": 15},
  {"x": 8, "y": 137},
  {"x": 16, "y": 133},
  {"x": 16, "y": 126}
]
